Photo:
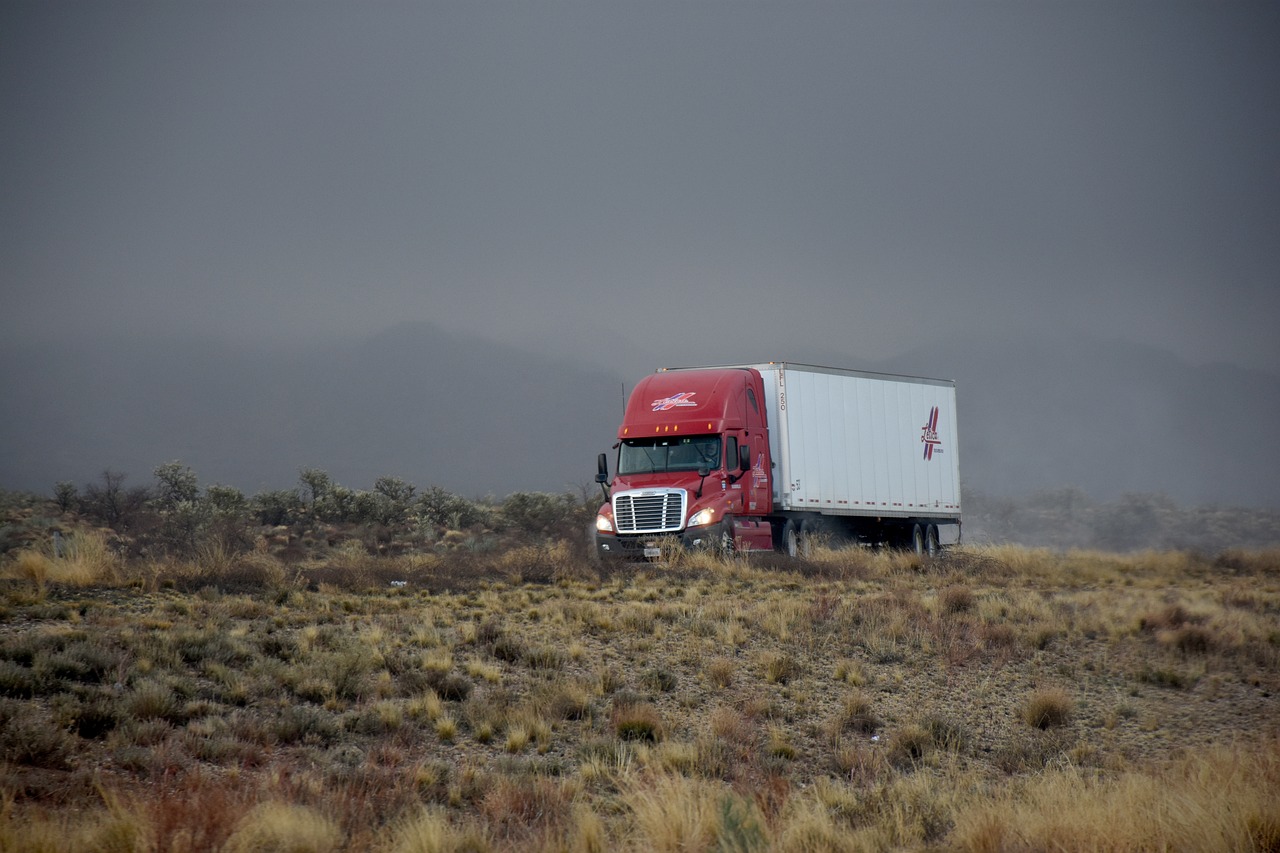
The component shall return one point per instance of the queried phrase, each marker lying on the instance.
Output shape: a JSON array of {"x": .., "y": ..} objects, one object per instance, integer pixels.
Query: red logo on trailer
[
  {"x": 930, "y": 434},
  {"x": 675, "y": 401}
]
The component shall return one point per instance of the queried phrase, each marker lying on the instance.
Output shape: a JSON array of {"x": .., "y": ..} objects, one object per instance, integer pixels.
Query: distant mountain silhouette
[
  {"x": 440, "y": 408},
  {"x": 416, "y": 402}
]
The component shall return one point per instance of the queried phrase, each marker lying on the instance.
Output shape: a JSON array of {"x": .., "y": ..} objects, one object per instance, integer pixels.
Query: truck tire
[
  {"x": 931, "y": 546},
  {"x": 790, "y": 544},
  {"x": 917, "y": 539},
  {"x": 725, "y": 544}
]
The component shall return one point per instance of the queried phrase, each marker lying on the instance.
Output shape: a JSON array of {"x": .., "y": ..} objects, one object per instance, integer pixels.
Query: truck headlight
[
  {"x": 604, "y": 524},
  {"x": 702, "y": 516}
]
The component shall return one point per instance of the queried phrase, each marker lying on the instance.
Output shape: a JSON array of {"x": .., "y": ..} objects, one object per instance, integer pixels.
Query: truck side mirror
[
  {"x": 744, "y": 457},
  {"x": 602, "y": 469}
]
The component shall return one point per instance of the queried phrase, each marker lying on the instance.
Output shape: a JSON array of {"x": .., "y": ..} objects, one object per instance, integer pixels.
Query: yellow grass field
[{"x": 990, "y": 699}]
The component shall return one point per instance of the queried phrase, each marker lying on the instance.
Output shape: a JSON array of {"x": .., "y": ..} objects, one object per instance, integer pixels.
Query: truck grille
[{"x": 649, "y": 511}]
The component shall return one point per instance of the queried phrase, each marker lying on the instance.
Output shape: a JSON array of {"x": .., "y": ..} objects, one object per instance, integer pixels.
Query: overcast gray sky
[{"x": 585, "y": 177}]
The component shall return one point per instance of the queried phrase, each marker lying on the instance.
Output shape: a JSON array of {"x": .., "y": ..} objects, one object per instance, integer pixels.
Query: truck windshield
[{"x": 659, "y": 455}]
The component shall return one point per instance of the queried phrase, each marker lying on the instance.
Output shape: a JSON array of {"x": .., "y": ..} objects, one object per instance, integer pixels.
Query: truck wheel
[
  {"x": 790, "y": 544},
  {"x": 931, "y": 546},
  {"x": 917, "y": 539},
  {"x": 725, "y": 545}
]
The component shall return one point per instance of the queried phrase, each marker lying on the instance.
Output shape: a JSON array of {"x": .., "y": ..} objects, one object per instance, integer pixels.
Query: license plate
[{"x": 651, "y": 552}]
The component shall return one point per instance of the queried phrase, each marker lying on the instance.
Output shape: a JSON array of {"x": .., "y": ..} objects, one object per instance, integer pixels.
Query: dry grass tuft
[
  {"x": 1047, "y": 708},
  {"x": 1220, "y": 800},
  {"x": 856, "y": 716},
  {"x": 429, "y": 831},
  {"x": 637, "y": 721},
  {"x": 279, "y": 827}
]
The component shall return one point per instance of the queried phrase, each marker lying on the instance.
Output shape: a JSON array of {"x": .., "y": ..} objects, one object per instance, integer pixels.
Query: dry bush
[
  {"x": 1167, "y": 618},
  {"x": 852, "y": 672},
  {"x": 732, "y": 725},
  {"x": 515, "y": 805},
  {"x": 810, "y": 826},
  {"x": 84, "y": 559},
  {"x": 956, "y": 599},
  {"x": 543, "y": 563},
  {"x": 855, "y": 715},
  {"x": 29, "y": 566},
  {"x": 909, "y": 746},
  {"x": 846, "y": 564},
  {"x": 1047, "y": 708},
  {"x": 632, "y": 720},
  {"x": 429, "y": 831},
  {"x": 780, "y": 667},
  {"x": 1239, "y": 561},
  {"x": 720, "y": 672},
  {"x": 275, "y": 826},
  {"x": 674, "y": 813},
  {"x": 1226, "y": 799},
  {"x": 110, "y": 828},
  {"x": 1189, "y": 639}
]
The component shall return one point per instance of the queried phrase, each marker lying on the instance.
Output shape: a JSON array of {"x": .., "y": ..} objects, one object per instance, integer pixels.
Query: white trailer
[{"x": 877, "y": 454}]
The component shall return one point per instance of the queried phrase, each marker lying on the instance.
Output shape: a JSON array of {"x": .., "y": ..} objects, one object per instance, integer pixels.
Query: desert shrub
[
  {"x": 543, "y": 514},
  {"x": 516, "y": 804},
  {"x": 152, "y": 700},
  {"x": 957, "y": 599},
  {"x": 110, "y": 503},
  {"x": 946, "y": 733},
  {"x": 16, "y": 680},
  {"x": 780, "y": 668},
  {"x": 1189, "y": 639},
  {"x": 508, "y": 649},
  {"x": 542, "y": 563},
  {"x": 31, "y": 737},
  {"x": 544, "y": 657},
  {"x": 396, "y": 499},
  {"x": 855, "y": 715},
  {"x": 91, "y": 718},
  {"x": 1047, "y": 708},
  {"x": 336, "y": 504},
  {"x": 276, "y": 508},
  {"x": 636, "y": 721},
  {"x": 306, "y": 724},
  {"x": 282, "y": 828},
  {"x": 437, "y": 506},
  {"x": 720, "y": 672},
  {"x": 452, "y": 687},
  {"x": 429, "y": 831},
  {"x": 909, "y": 745},
  {"x": 659, "y": 679}
]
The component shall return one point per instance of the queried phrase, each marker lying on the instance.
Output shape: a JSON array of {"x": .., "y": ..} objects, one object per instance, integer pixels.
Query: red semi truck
[{"x": 770, "y": 456}]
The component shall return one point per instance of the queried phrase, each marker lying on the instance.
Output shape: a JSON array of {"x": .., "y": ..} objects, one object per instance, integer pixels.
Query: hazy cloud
[{"x": 632, "y": 184}]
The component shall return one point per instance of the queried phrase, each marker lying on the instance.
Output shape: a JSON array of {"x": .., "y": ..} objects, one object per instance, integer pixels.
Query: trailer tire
[
  {"x": 811, "y": 532},
  {"x": 917, "y": 539},
  {"x": 931, "y": 546}
]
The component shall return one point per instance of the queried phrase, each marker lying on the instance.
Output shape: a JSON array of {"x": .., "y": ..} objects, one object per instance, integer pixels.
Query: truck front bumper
[{"x": 649, "y": 546}]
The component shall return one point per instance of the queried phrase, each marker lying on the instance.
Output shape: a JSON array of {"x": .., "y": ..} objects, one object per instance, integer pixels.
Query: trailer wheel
[
  {"x": 790, "y": 543},
  {"x": 811, "y": 532},
  {"x": 917, "y": 539},
  {"x": 931, "y": 546}
]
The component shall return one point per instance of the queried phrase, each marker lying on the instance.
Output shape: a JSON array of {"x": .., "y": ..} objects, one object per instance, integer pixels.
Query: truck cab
[{"x": 693, "y": 463}]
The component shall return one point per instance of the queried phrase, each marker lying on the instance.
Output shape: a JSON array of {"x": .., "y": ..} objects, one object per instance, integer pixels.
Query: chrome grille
[{"x": 658, "y": 511}]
